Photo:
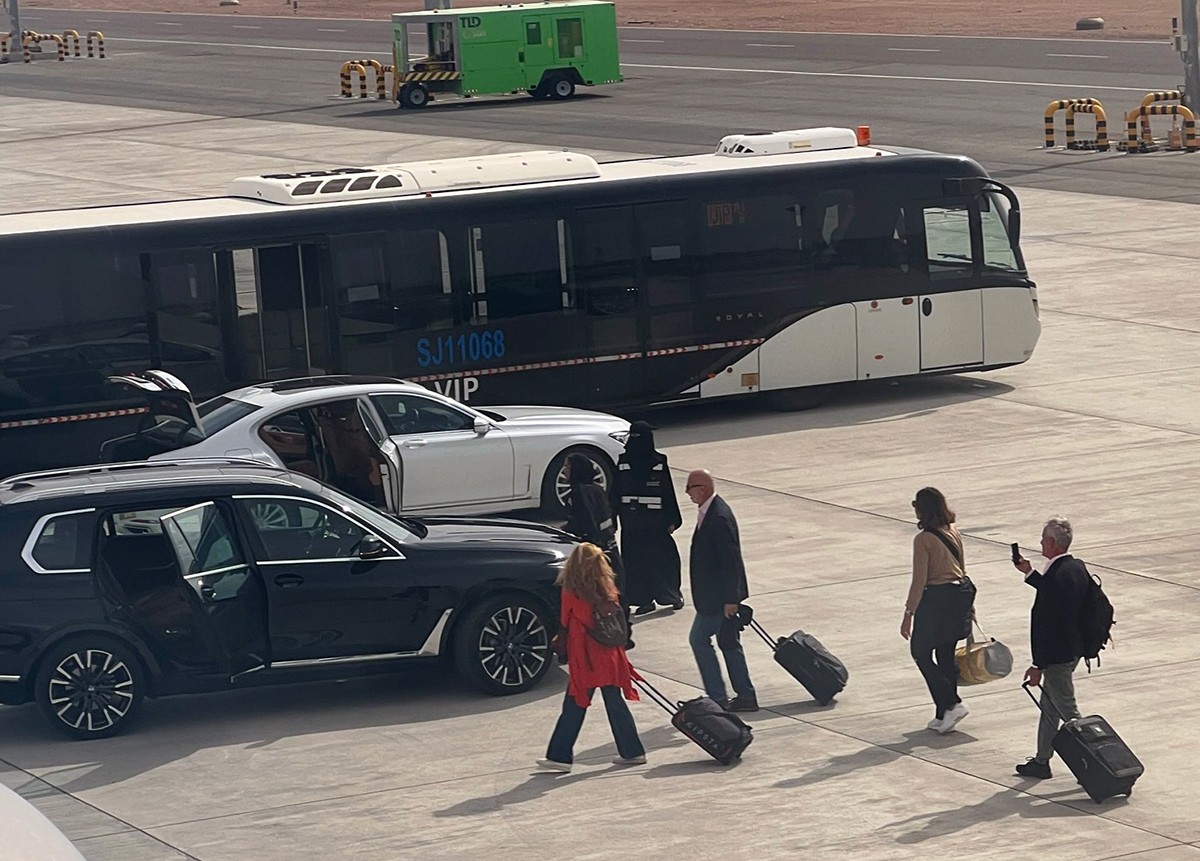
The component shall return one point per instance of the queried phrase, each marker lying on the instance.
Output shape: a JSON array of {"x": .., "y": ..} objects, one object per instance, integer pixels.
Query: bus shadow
[{"x": 867, "y": 402}]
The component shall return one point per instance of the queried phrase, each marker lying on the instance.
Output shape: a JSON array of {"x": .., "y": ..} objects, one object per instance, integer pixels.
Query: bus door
[
  {"x": 282, "y": 325},
  {"x": 606, "y": 278},
  {"x": 951, "y": 307}
]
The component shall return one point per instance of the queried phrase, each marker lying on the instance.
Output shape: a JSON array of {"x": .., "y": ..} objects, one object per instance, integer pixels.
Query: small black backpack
[{"x": 1095, "y": 621}]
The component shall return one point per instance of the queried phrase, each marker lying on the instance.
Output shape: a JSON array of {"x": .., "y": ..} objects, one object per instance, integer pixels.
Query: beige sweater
[{"x": 933, "y": 564}]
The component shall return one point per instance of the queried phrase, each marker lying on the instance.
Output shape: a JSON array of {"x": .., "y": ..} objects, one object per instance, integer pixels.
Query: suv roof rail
[{"x": 26, "y": 477}]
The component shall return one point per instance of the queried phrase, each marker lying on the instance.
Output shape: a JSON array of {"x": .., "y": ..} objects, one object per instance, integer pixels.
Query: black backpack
[{"x": 1095, "y": 621}]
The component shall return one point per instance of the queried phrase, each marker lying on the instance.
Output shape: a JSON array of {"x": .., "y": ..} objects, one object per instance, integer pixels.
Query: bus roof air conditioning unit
[
  {"x": 787, "y": 142},
  {"x": 418, "y": 177}
]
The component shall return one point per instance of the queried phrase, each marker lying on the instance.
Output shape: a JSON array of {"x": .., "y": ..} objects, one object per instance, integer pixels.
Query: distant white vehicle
[
  {"x": 394, "y": 444},
  {"x": 29, "y": 835}
]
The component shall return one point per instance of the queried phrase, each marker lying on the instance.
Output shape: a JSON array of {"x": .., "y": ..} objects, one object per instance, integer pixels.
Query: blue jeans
[
  {"x": 704, "y": 628},
  {"x": 566, "y": 731}
]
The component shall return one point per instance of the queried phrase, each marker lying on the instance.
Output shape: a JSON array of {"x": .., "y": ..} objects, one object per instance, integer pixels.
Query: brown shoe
[{"x": 741, "y": 704}]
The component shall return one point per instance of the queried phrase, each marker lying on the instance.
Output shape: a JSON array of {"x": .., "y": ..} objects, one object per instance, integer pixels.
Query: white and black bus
[{"x": 781, "y": 261}]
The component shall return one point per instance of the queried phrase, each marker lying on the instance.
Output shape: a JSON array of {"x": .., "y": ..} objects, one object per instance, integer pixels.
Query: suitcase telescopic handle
[
  {"x": 762, "y": 632},
  {"x": 656, "y": 696},
  {"x": 1038, "y": 702}
]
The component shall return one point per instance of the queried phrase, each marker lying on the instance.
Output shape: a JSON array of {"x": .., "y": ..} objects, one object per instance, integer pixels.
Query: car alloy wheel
[
  {"x": 91, "y": 690},
  {"x": 513, "y": 646},
  {"x": 89, "y": 686},
  {"x": 502, "y": 646},
  {"x": 562, "y": 487}
]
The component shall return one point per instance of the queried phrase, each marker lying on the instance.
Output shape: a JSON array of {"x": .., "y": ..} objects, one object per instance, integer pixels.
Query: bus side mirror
[{"x": 1014, "y": 227}]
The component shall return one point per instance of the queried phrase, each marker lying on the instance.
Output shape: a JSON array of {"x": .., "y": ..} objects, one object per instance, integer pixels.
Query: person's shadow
[
  {"x": 1000, "y": 805},
  {"x": 874, "y": 755},
  {"x": 533, "y": 787}
]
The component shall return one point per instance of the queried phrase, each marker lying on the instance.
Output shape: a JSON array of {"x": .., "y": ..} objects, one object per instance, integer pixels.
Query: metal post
[
  {"x": 1191, "y": 56},
  {"x": 14, "y": 18}
]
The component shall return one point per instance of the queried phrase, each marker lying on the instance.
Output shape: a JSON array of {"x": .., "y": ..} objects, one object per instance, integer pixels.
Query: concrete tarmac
[{"x": 1102, "y": 425}]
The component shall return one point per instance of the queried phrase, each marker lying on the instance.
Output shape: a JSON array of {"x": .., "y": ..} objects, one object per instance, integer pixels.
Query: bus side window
[
  {"x": 948, "y": 241},
  {"x": 520, "y": 268}
]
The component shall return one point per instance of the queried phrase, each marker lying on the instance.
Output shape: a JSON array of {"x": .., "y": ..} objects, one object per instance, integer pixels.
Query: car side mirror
[
  {"x": 482, "y": 425},
  {"x": 371, "y": 547}
]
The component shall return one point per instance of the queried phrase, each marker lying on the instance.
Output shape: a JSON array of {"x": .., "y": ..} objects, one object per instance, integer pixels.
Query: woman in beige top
[{"x": 937, "y": 613}]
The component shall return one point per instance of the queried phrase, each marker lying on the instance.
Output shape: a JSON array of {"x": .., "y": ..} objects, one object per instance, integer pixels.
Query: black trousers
[{"x": 937, "y": 627}]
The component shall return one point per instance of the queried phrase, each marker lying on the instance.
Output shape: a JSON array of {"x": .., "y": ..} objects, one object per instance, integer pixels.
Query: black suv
[{"x": 156, "y": 578}]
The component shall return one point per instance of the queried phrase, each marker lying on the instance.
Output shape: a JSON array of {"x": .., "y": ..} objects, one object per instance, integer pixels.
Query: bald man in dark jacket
[{"x": 718, "y": 580}]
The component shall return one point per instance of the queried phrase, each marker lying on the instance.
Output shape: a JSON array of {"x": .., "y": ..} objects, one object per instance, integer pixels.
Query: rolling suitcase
[
  {"x": 723, "y": 735},
  {"x": 1101, "y": 762},
  {"x": 809, "y": 663}
]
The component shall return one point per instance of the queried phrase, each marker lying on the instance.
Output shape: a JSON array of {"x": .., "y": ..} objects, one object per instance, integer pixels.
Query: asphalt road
[{"x": 684, "y": 89}]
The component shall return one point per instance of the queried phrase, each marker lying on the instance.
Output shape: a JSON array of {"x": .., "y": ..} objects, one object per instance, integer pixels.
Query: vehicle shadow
[
  {"x": 174, "y": 728},
  {"x": 869, "y": 402},
  {"x": 497, "y": 102}
]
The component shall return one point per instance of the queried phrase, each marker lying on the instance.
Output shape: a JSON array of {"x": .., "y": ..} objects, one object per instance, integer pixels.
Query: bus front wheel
[{"x": 414, "y": 96}]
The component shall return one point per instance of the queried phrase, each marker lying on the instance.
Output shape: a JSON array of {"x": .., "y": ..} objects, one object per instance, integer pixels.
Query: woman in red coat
[{"x": 587, "y": 580}]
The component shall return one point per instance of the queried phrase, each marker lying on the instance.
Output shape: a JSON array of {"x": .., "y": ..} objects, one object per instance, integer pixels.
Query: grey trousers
[{"x": 1058, "y": 693}]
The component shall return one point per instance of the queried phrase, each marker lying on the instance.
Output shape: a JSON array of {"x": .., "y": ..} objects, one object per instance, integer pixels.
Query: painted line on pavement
[
  {"x": 1057, "y": 85},
  {"x": 1087, "y": 56},
  {"x": 246, "y": 27},
  {"x": 646, "y": 41},
  {"x": 326, "y": 30},
  {"x": 918, "y": 50},
  {"x": 728, "y": 70},
  {"x": 767, "y": 45}
]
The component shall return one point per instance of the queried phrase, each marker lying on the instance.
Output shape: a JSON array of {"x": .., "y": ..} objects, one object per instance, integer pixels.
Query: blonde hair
[{"x": 588, "y": 575}]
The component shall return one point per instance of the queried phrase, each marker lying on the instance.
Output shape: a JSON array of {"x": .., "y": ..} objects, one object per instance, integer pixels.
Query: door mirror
[
  {"x": 371, "y": 547},
  {"x": 482, "y": 425}
]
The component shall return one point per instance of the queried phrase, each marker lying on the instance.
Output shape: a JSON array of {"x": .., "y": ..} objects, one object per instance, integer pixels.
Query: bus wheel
[
  {"x": 795, "y": 400},
  {"x": 541, "y": 91},
  {"x": 414, "y": 96},
  {"x": 561, "y": 88}
]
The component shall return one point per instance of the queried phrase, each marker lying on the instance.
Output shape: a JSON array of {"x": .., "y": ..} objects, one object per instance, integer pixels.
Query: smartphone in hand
[{"x": 1016, "y": 552}]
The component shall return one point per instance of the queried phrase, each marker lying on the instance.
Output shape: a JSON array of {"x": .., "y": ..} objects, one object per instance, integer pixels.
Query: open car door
[
  {"x": 171, "y": 423},
  {"x": 224, "y": 590}
]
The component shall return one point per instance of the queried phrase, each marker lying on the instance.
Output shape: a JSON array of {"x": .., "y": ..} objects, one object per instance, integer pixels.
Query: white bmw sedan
[{"x": 394, "y": 444}]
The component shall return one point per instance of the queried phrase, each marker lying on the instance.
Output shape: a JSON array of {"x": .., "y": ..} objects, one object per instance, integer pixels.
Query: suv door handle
[
  {"x": 287, "y": 580},
  {"x": 414, "y": 443}
]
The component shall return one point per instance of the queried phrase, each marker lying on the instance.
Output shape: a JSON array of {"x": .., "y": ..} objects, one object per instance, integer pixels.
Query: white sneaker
[
  {"x": 552, "y": 765},
  {"x": 630, "y": 760},
  {"x": 934, "y": 724},
  {"x": 950, "y": 721}
]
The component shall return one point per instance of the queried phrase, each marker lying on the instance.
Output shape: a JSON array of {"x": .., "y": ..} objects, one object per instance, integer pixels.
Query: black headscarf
[
  {"x": 583, "y": 471},
  {"x": 639, "y": 450}
]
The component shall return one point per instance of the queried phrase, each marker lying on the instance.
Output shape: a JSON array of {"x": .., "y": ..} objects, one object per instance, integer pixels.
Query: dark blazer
[
  {"x": 1055, "y": 629},
  {"x": 717, "y": 573}
]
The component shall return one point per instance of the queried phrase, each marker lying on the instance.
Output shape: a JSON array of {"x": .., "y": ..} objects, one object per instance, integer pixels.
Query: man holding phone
[{"x": 1055, "y": 633}]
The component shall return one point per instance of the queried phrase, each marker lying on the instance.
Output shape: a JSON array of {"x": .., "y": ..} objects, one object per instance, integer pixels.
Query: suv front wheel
[
  {"x": 90, "y": 686},
  {"x": 502, "y": 645}
]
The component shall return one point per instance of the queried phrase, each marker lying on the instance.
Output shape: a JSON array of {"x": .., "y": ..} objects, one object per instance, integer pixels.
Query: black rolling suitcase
[
  {"x": 722, "y": 734},
  {"x": 1101, "y": 762},
  {"x": 810, "y": 663}
]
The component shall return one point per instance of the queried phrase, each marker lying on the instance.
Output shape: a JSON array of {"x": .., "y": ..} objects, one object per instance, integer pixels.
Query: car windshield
[
  {"x": 216, "y": 414},
  {"x": 386, "y": 523}
]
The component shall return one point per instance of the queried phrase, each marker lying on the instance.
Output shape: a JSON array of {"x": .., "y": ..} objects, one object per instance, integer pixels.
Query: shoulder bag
[{"x": 982, "y": 661}]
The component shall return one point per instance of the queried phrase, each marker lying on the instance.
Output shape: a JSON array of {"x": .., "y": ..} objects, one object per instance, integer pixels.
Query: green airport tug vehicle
[{"x": 545, "y": 49}]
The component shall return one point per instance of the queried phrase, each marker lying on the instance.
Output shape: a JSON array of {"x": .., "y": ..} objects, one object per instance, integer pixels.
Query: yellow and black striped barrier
[
  {"x": 1071, "y": 106},
  {"x": 71, "y": 40},
  {"x": 31, "y": 38},
  {"x": 4, "y": 37},
  {"x": 1151, "y": 98},
  {"x": 1097, "y": 109},
  {"x": 99, "y": 37},
  {"x": 1133, "y": 145}
]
